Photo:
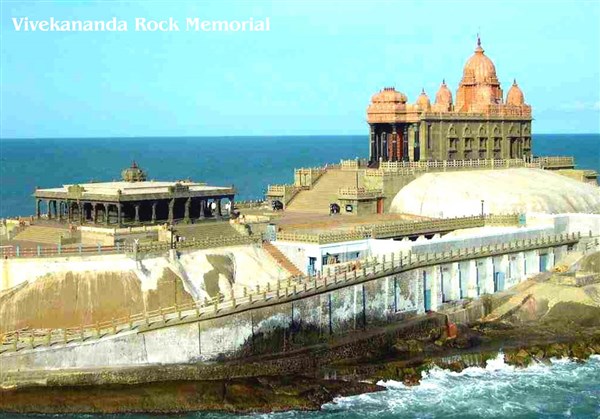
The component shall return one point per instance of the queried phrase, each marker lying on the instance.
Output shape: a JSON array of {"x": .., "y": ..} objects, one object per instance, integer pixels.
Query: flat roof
[{"x": 131, "y": 190}]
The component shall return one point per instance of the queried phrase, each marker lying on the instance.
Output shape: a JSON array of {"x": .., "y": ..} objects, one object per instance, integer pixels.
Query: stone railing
[
  {"x": 284, "y": 192},
  {"x": 9, "y": 252},
  {"x": 250, "y": 204},
  {"x": 400, "y": 228},
  {"x": 353, "y": 164},
  {"x": 555, "y": 162},
  {"x": 306, "y": 177},
  {"x": 266, "y": 295},
  {"x": 409, "y": 168},
  {"x": 359, "y": 193}
]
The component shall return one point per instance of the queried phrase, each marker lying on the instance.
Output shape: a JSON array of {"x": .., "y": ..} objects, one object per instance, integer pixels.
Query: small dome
[
  {"x": 389, "y": 95},
  {"x": 423, "y": 101},
  {"x": 479, "y": 68},
  {"x": 443, "y": 95},
  {"x": 133, "y": 174},
  {"x": 515, "y": 95}
]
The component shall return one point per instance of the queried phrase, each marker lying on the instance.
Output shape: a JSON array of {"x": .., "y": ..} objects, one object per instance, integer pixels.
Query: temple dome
[
  {"x": 133, "y": 174},
  {"x": 389, "y": 95},
  {"x": 506, "y": 191},
  {"x": 515, "y": 95},
  {"x": 479, "y": 69},
  {"x": 443, "y": 95},
  {"x": 423, "y": 101}
]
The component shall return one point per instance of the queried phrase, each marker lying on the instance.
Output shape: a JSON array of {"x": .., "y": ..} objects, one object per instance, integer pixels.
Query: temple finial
[
  {"x": 514, "y": 82},
  {"x": 478, "y": 40}
]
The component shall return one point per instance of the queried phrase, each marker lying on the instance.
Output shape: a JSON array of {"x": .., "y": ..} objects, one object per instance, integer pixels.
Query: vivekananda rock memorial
[{"x": 481, "y": 124}]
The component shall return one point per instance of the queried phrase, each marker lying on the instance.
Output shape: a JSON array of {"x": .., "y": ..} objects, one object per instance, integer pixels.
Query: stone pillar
[
  {"x": 218, "y": 210},
  {"x": 69, "y": 211},
  {"x": 411, "y": 143},
  {"x": 394, "y": 156},
  {"x": 202, "y": 209},
  {"x": 372, "y": 151},
  {"x": 49, "y": 209},
  {"x": 38, "y": 210},
  {"x": 469, "y": 274},
  {"x": 80, "y": 207},
  {"x": 94, "y": 212},
  {"x": 154, "y": 211},
  {"x": 231, "y": 204},
  {"x": 436, "y": 287},
  {"x": 119, "y": 214},
  {"x": 137, "y": 213},
  {"x": 186, "y": 215},
  {"x": 60, "y": 211},
  {"x": 106, "y": 214},
  {"x": 171, "y": 207}
]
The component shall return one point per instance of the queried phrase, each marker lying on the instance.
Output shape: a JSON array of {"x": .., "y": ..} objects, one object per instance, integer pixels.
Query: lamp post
[
  {"x": 482, "y": 210},
  {"x": 172, "y": 229}
]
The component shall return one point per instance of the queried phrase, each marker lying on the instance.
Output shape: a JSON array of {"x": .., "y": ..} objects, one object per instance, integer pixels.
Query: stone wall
[{"x": 291, "y": 324}]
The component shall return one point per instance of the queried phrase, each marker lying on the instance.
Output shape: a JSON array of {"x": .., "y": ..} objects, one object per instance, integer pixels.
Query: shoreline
[{"x": 177, "y": 389}]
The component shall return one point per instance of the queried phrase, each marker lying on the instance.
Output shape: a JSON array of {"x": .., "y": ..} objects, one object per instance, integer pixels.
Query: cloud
[{"x": 581, "y": 106}]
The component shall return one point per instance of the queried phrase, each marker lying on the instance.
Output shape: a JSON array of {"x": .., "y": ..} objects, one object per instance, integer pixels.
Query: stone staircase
[
  {"x": 323, "y": 192},
  {"x": 207, "y": 230},
  {"x": 281, "y": 259},
  {"x": 41, "y": 234}
]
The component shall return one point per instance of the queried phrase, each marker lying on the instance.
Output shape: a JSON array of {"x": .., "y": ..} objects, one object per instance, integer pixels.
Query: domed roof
[
  {"x": 389, "y": 95},
  {"x": 515, "y": 95},
  {"x": 443, "y": 95},
  {"x": 423, "y": 101},
  {"x": 133, "y": 174},
  {"x": 505, "y": 191},
  {"x": 479, "y": 68}
]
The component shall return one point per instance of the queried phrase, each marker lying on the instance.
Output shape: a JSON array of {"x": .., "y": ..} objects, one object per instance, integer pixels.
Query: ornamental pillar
[
  {"x": 106, "y": 214},
  {"x": 231, "y": 205},
  {"x": 119, "y": 214},
  {"x": 202, "y": 209},
  {"x": 94, "y": 212},
  {"x": 372, "y": 151},
  {"x": 154, "y": 211},
  {"x": 186, "y": 216},
  {"x": 38, "y": 210},
  {"x": 49, "y": 209},
  {"x": 137, "y": 212},
  {"x": 80, "y": 207},
  {"x": 60, "y": 211},
  {"x": 69, "y": 211},
  {"x": 218, "y": 210},
  {"x": 394, "y": 156},
  {"x": 171, "y": 206}
]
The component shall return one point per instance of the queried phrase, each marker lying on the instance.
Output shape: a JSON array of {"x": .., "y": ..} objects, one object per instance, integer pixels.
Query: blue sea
[
  {"x": 249, "y": 163},
  {"x": 561, "y": 390}
]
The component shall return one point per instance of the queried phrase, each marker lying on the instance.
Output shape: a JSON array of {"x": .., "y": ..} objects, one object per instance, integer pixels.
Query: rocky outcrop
[{"x": 72, "y": 299}]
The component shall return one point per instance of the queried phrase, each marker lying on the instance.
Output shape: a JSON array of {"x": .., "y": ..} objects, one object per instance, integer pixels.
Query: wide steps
[
  {"x": 41, "y": 234},
  {"x": 208, "y": 230},
  {"x": 323, "y": 192},
  {"x": 281, "y": 259}
]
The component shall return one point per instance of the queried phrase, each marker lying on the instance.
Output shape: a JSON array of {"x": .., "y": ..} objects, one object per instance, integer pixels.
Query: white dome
[{"x": 454, "y": 194}]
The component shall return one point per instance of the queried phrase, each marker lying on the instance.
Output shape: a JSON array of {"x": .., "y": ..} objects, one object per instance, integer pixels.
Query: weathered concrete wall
[
  {"x": 292, "y": 324},
  {"x": 75, "y": 291}
]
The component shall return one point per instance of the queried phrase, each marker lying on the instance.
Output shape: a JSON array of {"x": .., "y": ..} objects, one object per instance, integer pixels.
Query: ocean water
[
  {"x": 563, "y": 389},
  {"x": 249, "y": 163}
]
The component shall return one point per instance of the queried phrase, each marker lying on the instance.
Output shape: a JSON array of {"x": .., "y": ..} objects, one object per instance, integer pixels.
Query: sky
[{"x": 313, "y": 72}]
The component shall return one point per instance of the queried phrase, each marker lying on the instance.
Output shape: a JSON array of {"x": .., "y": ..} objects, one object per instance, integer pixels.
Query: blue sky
[{"x": 312, "y": 73}]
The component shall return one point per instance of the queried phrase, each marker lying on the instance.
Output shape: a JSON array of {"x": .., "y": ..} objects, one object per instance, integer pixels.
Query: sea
[
  {"x": 248, "y": 163},
  {"x": 561, "y": 389}
]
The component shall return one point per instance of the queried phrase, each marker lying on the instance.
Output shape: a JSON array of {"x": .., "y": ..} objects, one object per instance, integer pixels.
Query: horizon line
[{"x": 240, "y": 136}]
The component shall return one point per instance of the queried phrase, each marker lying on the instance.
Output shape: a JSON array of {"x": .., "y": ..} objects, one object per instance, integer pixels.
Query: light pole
[{"x": 482, "y": 206}]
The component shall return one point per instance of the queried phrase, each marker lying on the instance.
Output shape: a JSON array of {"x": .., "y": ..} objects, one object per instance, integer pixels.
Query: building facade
[
  {"x": 480, "y": 124},
  {"x": 134, "y": 201}
]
